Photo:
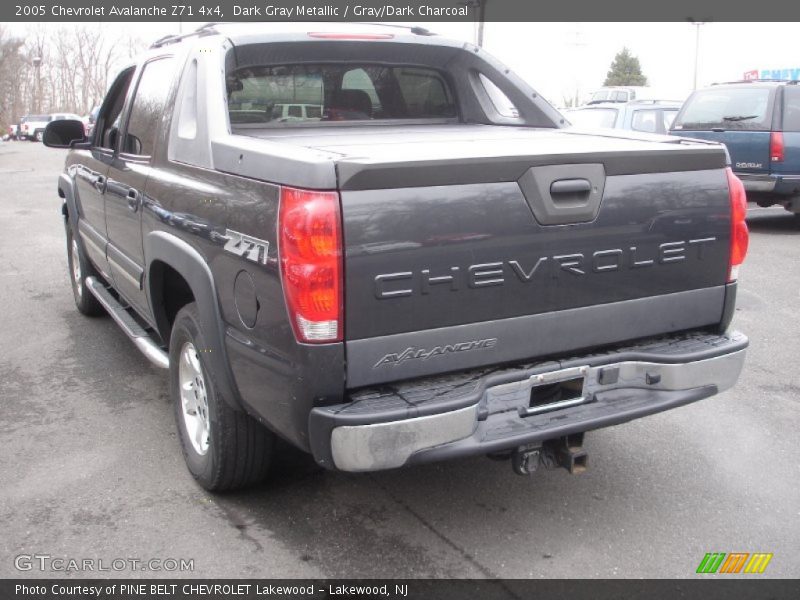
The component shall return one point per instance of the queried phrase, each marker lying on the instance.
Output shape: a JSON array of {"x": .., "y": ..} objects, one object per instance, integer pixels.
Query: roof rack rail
[{"x": 175, "y": 38}]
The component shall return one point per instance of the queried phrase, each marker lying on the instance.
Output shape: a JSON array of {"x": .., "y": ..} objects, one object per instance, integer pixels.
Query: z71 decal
[{"x": 247, "y": 247}]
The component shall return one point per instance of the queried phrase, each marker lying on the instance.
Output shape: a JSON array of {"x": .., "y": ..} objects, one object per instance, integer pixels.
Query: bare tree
[
  {"x": 76, "y": 64},
  {"x": 11, "y": 65}
]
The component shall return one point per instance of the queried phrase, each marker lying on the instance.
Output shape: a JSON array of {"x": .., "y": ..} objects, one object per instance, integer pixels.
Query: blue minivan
[{"x": 759, "y": 123}]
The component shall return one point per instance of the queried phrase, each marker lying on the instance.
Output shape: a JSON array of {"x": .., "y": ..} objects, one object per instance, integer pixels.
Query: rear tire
[
  {"x": 79, "y": 269},
  {"x": 224, "y": 448}
]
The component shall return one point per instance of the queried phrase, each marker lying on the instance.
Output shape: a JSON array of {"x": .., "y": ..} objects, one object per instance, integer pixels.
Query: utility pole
[
  {"x": 37, "y": 84},
  {"x": 481, "y": 21},
  {"x": 479, "y": 6},
  {"x": 577, "y": 44},
  {"x": 697, "y": 25}
]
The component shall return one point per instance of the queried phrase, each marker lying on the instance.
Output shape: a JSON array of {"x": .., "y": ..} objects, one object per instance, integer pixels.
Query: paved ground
[{"x": 90, "y": 466}]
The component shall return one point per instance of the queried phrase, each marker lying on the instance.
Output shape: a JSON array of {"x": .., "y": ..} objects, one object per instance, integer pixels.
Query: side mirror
[{"x": 64, "y": 133}]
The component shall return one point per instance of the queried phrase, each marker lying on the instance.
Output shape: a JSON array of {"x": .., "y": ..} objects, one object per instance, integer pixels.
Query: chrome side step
[{"x": 128, "y": 324}]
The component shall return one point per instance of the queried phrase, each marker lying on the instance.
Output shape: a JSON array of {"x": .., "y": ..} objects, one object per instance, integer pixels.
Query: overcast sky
[{"x": 559, "y": 58}]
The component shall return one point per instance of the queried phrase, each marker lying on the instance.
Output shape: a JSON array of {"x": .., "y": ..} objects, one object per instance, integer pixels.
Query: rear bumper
[
  {"x": 487, "y": 410},
  {"x": 757, "y": 183},
  {"x": 777, "y": 184}
]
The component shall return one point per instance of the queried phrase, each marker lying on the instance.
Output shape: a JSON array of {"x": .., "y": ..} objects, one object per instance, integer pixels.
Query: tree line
[{"x": 68, "y": 69}]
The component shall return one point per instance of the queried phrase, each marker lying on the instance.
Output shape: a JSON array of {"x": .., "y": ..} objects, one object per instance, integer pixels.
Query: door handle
[
  {"x": 133, "y": 200},
  {"x": 570, "y": 186},
  {"x": 100, "y": 183}
]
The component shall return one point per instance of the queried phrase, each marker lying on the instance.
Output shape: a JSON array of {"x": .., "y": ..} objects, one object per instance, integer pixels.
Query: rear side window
[
  {"x": 791, "y": 108},
  {"x": 727, "y": 108},
  {"x": 645, "y": 120},
  {"x": 286, "y": 94},
  {"x": 594, "y": 117},
  {"x": 148, "y": 107}
]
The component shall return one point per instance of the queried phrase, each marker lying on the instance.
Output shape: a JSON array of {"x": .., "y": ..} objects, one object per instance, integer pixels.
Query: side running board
[{"x": 128, "y": 324}]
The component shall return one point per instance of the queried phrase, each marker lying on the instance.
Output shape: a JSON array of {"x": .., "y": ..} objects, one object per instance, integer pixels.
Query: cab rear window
[
  {"x": 286, "y": 94},
  {"x": 748, "y": 108}
]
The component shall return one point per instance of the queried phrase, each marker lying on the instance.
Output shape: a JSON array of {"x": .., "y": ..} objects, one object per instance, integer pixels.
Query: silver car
[{"x": 649, "y": 116}]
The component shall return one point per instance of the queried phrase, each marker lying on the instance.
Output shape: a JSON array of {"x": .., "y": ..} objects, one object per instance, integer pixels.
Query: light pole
[
  {"x": 480, "y": 13},
  {"x": 481, "y": 20},
  {"x": 697, "y": 25},
  {"x": 37, "y": 84},
  {"x": 577, "y": 44}
]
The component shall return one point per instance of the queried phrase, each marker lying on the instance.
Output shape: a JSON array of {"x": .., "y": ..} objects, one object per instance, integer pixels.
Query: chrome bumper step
[
  {"x": 491, "y": 410},
  {"x": 138, "y": 335}
]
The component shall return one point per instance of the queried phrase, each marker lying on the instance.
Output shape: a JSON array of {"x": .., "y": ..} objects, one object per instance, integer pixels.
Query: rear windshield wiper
[{"x": 740, "y": 118}]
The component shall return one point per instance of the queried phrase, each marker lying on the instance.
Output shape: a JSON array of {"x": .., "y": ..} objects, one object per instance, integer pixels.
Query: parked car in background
[
  {"x": 90, "y": 120},
  {"x": 296, "y": 112},
  {"x": 11, "y": 133},
  {"x": 650, "y": 116},
  {"x": 759, "y": 122},
  {"x": 32, "y": 126},
  {"x": 70, "y": 116},
  {"x": 617, "y": 94}
]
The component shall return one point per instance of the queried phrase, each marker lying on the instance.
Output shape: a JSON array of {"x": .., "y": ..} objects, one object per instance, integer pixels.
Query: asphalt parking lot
[{"x": 91, "y": 468}]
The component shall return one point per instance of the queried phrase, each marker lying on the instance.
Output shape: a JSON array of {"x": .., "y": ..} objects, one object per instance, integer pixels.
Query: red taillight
[
  {"x": 350, "y": 36},
  {"x": 740, "y": 237},
  {"x": 310, "y": 235},
  {"x": 776, "y": 146}
]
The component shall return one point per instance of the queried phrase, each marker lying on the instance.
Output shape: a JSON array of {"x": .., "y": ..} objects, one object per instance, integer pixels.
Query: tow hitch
[{"x": 566, "y": 451}]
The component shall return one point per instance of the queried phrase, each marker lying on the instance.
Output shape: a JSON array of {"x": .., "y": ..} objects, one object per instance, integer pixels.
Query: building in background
[{"x": 790, "y": 74}]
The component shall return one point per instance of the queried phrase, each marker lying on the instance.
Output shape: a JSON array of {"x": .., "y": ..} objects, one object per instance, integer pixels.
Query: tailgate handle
[
  {"x": 564, "y": 194},
  {"x": 570, "y": 186}
]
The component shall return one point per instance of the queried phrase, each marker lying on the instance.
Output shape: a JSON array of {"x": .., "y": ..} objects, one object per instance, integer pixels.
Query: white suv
[{"x": 31, "y": 127}]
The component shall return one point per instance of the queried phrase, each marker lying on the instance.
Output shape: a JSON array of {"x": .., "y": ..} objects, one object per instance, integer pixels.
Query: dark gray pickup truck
[{"x": 387, "y": 249}]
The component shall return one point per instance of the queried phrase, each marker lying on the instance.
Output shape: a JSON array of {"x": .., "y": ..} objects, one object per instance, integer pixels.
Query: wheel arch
[
  {"x": 69, "y": 208},
  {"x": 166, "y": 251}
]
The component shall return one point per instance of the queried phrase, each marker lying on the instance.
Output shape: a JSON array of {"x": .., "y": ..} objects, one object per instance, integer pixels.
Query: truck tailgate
[{"x": 475, "y": 245}]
